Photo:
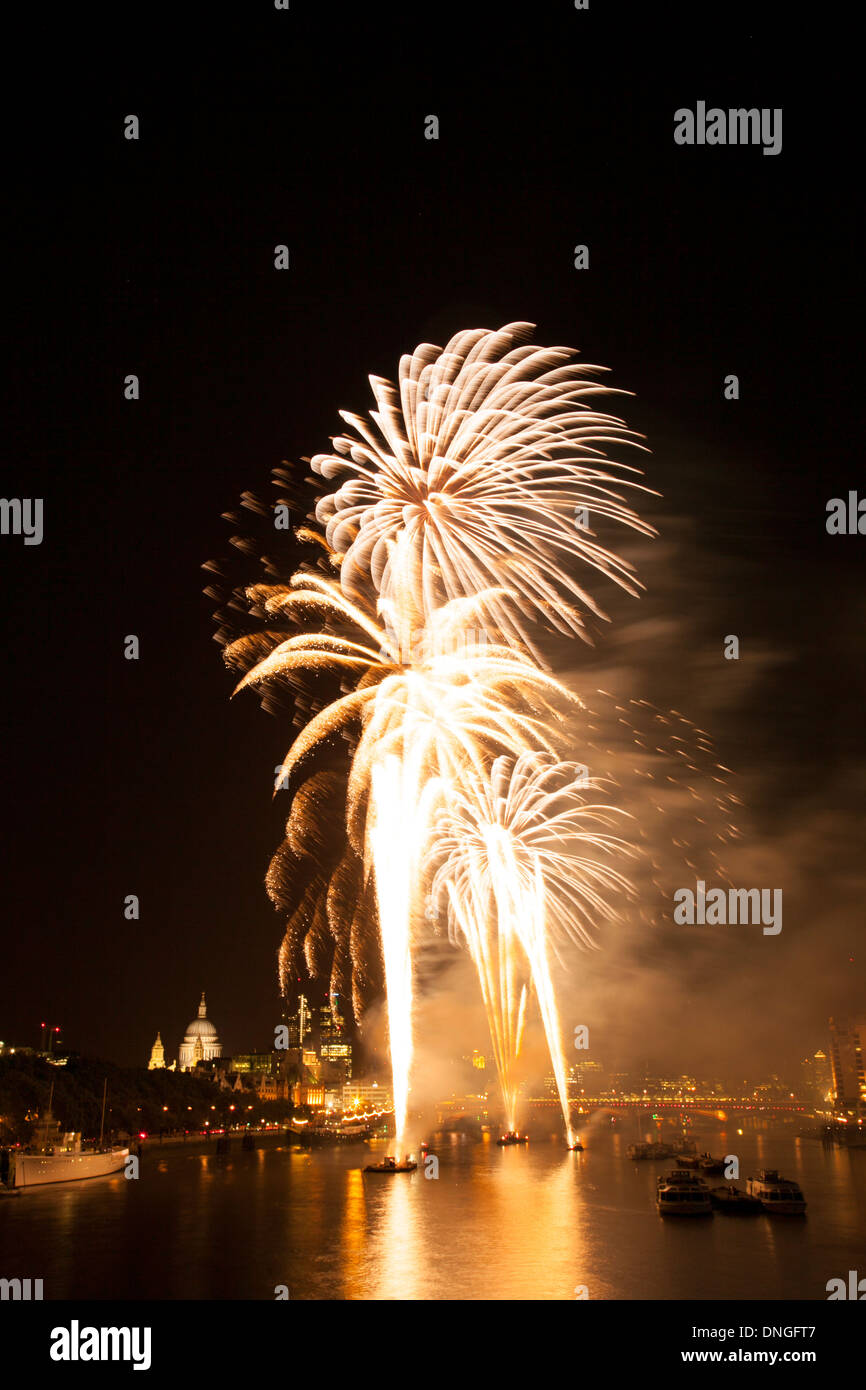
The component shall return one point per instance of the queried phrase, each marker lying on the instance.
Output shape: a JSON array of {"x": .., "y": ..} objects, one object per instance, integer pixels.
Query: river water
[{"x": 530, "y": 1222}]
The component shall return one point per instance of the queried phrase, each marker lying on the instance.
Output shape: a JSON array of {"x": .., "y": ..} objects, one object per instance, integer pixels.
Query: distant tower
[
  {"x": 201, "y": 1041},
  {"x": 157, "y": 1055}
]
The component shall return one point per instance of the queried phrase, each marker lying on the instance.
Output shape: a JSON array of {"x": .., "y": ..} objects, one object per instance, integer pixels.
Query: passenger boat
[
  {"x": 512, "y": 1137},
  {"x": 683, "y": 1198},
  {"x": 778, "y": 1195},
  {"x": 678, "y": 1178},
  {"x": 390, "y": 1165},
  {"x": 735, "y": 1202}
]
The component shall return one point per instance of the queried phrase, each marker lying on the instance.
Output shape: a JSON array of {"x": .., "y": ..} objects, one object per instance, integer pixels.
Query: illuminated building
[
  {"x": 817, "y": 1078},
  {"x": 846, "y": 1060},
  {"x": 335, "y": 1049},
  {"x": 585, "y": 1076},
  {"x": 308, "y": 1093},
  {"x": 366, "y": 1096},
  {"x": 254, "y": 1062},
  {"x": 300, "y": 1025},
  {"x": 201, "y": 1042},
  {"x": 157, "y": 1055}
]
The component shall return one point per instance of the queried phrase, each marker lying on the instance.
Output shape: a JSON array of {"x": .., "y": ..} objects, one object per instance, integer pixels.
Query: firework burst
[
  {"x": 484, "y": 466},
  {"x": 454, "y": 527}
]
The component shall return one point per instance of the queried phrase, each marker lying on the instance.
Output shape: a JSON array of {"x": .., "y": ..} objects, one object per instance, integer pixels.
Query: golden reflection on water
[
  {"x": 353, "y": 1233},
  {"x": 533, "y": 1222},
  {"x": 430, "y": 1238}
]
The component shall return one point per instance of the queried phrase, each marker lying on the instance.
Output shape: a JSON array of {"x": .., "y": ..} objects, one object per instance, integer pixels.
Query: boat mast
[{"x": 102, "y": 1121}]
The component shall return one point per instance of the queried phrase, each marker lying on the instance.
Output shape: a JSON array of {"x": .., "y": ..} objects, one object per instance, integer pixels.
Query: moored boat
[
  {"x": 708, "y": 1164},
  {"x": 314, "y": 1135},
  {"x": 650, "y": 1151},
  {"x": 683, "y": 1198},
  {"x": 734, "y": 1201},
  {"x": 684, "y": 1146},
  {"x": 677, "y": 1178},
  {"x": 54, "y": 1158},
  {"x": 777, "y": 1195}
]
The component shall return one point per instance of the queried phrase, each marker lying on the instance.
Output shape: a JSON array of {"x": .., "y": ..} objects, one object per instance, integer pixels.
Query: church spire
[{"x": 157, "y": 1055}]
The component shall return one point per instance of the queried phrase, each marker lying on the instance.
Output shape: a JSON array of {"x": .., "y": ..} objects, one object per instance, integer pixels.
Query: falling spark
[{"x": 524, "y": 861}]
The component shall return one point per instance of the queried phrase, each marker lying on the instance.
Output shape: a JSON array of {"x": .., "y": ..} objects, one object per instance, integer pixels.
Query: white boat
[
  {"x": 778, "y": 1195},
  {"x": 684, "y": 1199},
  {"x": 52, "y": 1158},
  {"x": 679, "y": 1177}
]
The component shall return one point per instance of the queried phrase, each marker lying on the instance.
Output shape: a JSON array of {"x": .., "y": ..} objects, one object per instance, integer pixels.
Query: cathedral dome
[
  {"x": 201, "y": 1041},
  {"x": 200, "y": 1028}
]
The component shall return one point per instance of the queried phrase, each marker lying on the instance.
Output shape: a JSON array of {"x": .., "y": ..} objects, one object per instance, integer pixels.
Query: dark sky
[{"x": 156, "y": 258}]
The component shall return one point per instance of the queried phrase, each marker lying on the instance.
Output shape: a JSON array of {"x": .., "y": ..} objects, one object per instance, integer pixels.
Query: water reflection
[{"x": 531, "y": 1222}]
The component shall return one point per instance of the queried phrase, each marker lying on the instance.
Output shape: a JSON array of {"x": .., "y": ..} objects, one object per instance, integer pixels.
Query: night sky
[{"x": 156, "y": 257}]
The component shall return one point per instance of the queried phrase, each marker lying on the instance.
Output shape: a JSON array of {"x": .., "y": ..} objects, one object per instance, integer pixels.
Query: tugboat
[
  {"x": 512, "y": 1137},
  {"x": 735, "y": 1202},
  {"x": 390, "y": 1165},
  {"x": 575, "y": 1148},
  {"x": 777, "y": 1195}
]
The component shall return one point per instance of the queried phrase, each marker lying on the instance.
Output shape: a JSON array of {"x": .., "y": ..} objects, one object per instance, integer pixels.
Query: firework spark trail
[
  {"x": 472, "y": 474},
  {"x": 492, "y": 945},
  {"x": 461, "y": 507},
  {"x": 393, "y": 851},
  {"x": 522, "y": 859},
  {"x": 423, "y": 729}
]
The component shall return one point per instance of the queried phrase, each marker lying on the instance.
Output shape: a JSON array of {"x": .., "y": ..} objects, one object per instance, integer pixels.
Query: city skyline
[{"x": 432, "y": 541}]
